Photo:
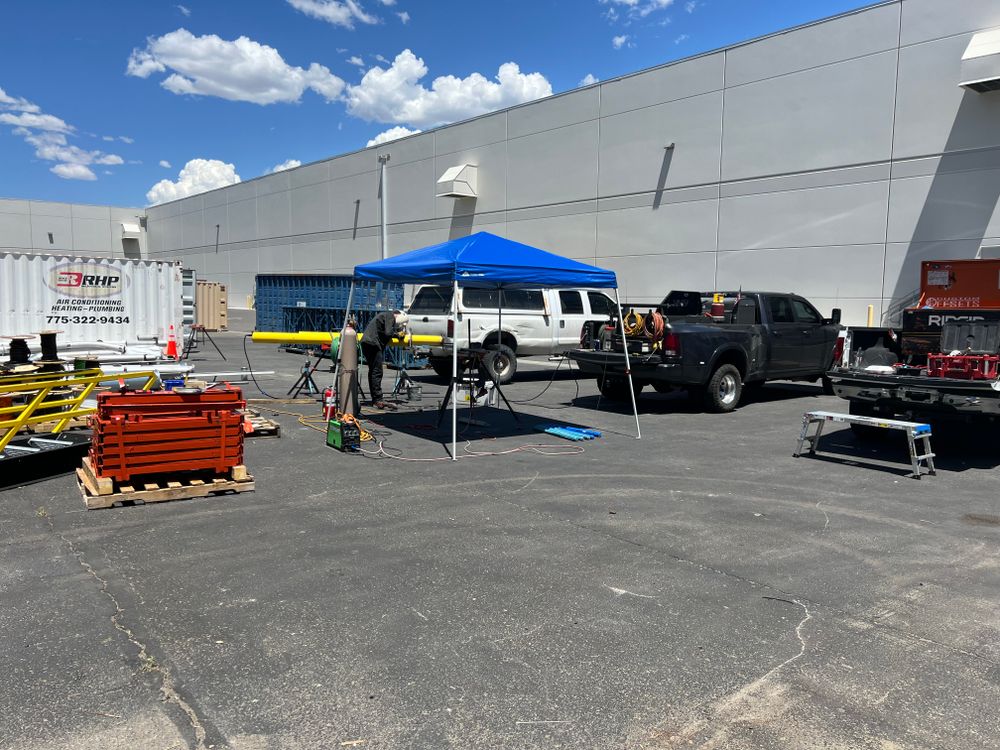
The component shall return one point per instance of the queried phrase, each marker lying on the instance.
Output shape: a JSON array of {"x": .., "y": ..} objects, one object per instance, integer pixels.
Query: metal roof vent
[
  {"x": 981, "y": 63},
  {"x": 459, "y": 182},
  {"x": 131, "y": 229}
]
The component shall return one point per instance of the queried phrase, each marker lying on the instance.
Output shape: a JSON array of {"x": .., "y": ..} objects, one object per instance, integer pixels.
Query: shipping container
[
  {"x": 90, "y": 299},
  {"x": 279, "y": 298},
  {"x": 212, "y": 307},
  {"x": 960, "y": 284},
  {"x": 189, "y": 316}
]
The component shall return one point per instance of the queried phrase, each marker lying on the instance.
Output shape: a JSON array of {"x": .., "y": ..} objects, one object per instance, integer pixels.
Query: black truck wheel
[
  {"x": 501, "y": 362},
  {"x": 724, "y": 390},
  {"x": 660, "y": 387},
  {"x": 616, "y": 389},
  {"x": 441, "y": 367}
]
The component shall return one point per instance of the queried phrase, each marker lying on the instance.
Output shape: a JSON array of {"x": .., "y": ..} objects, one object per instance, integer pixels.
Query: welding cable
[
  {"x": 246, "y": 354},
  {"x": 632, "y": 323},
  {"x": 653, "y": 326},
  {"x": 544, "y": 449}
]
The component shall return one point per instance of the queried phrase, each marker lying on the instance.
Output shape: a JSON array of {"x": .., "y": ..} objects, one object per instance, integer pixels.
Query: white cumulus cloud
[
  {"x": 404, "y": 16},
  {"x": 287, "y": 164},
  {"x": 355, "y": 60},
  {"x": 338, "y": 12},
  {"x": 185, "y": 11},
  {"x": 49, "y": 136},
  {"x": 395, "y": 94},
  {"x": 74, "y": 172},
  {"x": 391, "y": 134},
  {"x": 589, "y": 80},
  {"x": 619, "y": 41},
  {"x": 635, "y": 8},
  {"x": 197, "y": 176},
  {"x": 238, "y": 70},
  {"x": 164, "y": 163}
]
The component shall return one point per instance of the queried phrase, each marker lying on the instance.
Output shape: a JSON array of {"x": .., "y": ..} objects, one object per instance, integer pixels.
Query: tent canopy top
[{"x": 485, "y": 260}]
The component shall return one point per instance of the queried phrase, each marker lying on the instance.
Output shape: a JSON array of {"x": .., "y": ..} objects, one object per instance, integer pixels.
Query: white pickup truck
[{"x": 534, "y": 321}]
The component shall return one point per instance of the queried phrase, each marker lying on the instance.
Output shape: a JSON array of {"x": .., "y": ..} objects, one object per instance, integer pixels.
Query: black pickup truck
[{"x": 712, "y": 344}]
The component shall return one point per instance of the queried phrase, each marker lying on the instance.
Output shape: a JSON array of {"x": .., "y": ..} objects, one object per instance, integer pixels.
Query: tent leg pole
[
  {"x": 454, "y": 374},
  {"x": 628, "y": 366}
]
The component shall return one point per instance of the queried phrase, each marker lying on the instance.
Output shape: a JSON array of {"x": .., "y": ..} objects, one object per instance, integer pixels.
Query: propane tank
[{"x": 347, "y": 379}]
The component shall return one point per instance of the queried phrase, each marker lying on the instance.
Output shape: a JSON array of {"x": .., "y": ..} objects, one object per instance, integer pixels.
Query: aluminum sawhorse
[{"x": 914, "y": 431}]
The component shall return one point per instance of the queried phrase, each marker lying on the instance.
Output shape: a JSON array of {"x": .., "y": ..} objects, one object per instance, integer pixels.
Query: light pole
[{"x": 383, "y": 160}]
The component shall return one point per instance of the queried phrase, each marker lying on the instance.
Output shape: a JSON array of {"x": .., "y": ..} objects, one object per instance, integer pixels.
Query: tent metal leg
[
  {"x": 628, "y": 366},
  {"x": 347, "y": 315},
  {"x": 454, "y": 373}
]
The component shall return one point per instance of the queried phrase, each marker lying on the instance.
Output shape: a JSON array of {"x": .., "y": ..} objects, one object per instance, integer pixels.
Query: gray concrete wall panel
[
  {"x": 554, "y": 166},
  {"x": 935, "y": 115},
  {"x": 826, "y": 117},
  {"x": 572, "y": 235},
  {"x": 677, "y": 81},
  {"x": 92, "y": 235},
  {"x": 274, "y": 218},
  {"x": 354, "y": 202},
  {"x": 633, "y": 157},
  {"x": 15, "y": 231},
  {"x": 833, "y": 216},
  {"x": 467, "y": 135},
  {"x": 312, "y": 257},
  {"x": 648, "y": 278},
  {"x": 242, "y": 220},
  {"x": 411, "y": 190},
  {"x": 947, "y": 206},
  {"x": 854, "y": 35},
  {"x": 60, "y": 227},
  {"x": 670, "y": 228},
  {"x": 310, "y": 209},
  {"x": 933, "y": 19},
  {"x": 554, "y": 112}
]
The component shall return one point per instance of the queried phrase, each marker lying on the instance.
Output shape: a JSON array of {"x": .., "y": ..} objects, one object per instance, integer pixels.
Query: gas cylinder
[{"x": 329, "y": 403}]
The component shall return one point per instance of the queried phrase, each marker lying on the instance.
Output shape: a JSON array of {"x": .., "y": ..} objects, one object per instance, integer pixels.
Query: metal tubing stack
[{"x": 166, "y": 432}]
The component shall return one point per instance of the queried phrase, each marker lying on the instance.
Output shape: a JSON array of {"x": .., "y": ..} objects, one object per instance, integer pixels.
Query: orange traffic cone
[{"x": 171, "y": 350}]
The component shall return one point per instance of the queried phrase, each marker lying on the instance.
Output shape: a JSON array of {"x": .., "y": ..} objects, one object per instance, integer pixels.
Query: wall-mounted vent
[
  {"x": 130, "y": 229},
  {"x": 981, "y": 63},
  {"x": 459, "y": 182}
]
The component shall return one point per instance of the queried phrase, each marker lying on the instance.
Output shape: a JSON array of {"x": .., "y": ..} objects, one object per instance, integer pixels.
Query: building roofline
[{"x": 505, "y": 110}]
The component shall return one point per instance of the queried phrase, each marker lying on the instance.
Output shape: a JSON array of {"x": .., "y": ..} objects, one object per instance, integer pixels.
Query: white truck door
[{"x": 570, "y": 321}]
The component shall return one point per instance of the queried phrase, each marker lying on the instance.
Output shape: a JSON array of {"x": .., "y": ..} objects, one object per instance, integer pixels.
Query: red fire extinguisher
[{"x": 329, "y": 403}]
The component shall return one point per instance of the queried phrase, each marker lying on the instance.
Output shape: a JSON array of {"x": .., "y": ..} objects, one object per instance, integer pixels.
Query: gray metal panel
[
  {"x": 932, "y": 19},
  {"x": 492, "y": 163},
  {"x": 61, "y": 228},
  {"x": 193, "y": 230},
  {"x": 854, "y": 35},
  {"x": 411, "y": 190},
  {"x": 467, "y": 135},
  {"x": 273, "y": 214},
  {"x": 46, "y": 208},
  {"x": 242, "y": 220},
  {"x": 687, "y": 78},
  {"x": 948, "y": 206},
  {"x": 189, "y": 205},
  {"x": 650, "y": 277},
  {"x": 240, "y": 286},
  {"x": 78, "y": 211},
  {"x": 354, "y": 201},
  {"x": 8, "y": 206},
  {"x": 352, "y": 164},
  {"x": 274, "y": 257},
  {"x": 241, "y": 191},
  {"x": 92, "y": 235},
  {"x": 554, "y": 166},
  {"x": 843, "y": 215},
  {"x": 573, "y": 235},
  {"x": 827, "y": 117},
  {"x": 310, "y": 174},
  {"x": 402, "y": 242},
  {"x": 932, "y": 113},
  {"x": 837, "y": 271},
  {"x": 806, "y": 180},
  {"x": 216, "y": 215},
  {"x": 632, "y": 154},
  {"x": 417, "y": 148},
  {"x": 312, "y": 256},
  {"x": 345, "y": 254},
  {"x": 15, "y": 230},
  {"x": 216, "y": 264},
  {"x": 554, "y": 112},
  {"x": 275, "y": 183},
  {"x": 310, "y": 209},
  {"x": 670, "y": 228}
]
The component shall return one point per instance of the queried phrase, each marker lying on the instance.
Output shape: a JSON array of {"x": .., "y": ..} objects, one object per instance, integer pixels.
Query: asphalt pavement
[{"x": 697, "y": 588}]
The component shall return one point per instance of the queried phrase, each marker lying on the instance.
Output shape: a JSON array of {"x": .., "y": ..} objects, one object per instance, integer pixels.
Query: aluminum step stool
[{"x": 914, "y": 431}]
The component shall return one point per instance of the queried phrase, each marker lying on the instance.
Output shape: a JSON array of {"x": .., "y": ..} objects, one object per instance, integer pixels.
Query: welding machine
[{"x": 343, "y": 435}]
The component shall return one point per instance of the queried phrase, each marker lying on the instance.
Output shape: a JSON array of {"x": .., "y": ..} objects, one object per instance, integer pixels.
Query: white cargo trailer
[{"x": 108, "y": 300}]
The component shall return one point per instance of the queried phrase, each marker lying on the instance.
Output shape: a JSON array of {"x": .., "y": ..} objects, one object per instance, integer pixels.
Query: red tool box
[
  {"x": 964, "y": 366},
  {"x": 159, "y": 432}
]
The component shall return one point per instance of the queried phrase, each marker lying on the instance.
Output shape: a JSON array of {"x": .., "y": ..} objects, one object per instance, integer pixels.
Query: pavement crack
[{"x": 168, "y": 689}]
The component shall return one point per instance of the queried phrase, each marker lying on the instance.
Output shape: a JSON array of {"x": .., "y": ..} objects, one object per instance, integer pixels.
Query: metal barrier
[{"x": 38, "y": 387}]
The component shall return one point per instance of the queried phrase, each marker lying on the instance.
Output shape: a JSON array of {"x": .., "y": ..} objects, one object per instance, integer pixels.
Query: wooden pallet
[
  {"x": 75, "y": 423},
  {"x": 262, "y": 426},
  {"x": 102, "y": 492}
]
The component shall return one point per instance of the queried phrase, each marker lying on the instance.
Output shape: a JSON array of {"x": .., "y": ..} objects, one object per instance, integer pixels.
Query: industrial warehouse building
[{"x": 828, "y": 160}]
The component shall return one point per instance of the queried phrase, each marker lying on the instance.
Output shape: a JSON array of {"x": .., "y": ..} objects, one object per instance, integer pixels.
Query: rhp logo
[{"x": 87, "y": 280}]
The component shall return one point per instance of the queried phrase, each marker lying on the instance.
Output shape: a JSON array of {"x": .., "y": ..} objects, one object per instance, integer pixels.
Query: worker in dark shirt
[{"x": 376, "y": 337}]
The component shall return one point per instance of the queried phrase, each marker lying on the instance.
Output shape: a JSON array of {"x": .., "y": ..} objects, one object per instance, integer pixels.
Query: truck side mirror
[{"x": 835, "y": 316}]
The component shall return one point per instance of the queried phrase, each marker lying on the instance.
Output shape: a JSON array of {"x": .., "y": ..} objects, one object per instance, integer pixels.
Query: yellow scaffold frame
[{"x": 37, "y": 387}]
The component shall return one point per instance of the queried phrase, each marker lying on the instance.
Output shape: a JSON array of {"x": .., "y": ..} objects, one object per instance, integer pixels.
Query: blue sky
[{"x": 101, "y": 101}]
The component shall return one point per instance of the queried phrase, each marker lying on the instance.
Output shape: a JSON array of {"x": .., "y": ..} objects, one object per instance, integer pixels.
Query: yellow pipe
[{"x": 323, "y": 337}]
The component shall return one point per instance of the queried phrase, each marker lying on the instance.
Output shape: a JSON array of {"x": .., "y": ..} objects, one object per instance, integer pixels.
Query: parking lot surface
[{"x": 697, "y": 588}]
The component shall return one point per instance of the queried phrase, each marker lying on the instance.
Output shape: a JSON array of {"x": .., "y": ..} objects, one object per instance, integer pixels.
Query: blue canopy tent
[{"x": 486, "y": 261}]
